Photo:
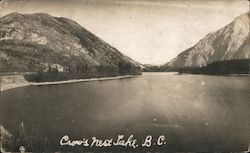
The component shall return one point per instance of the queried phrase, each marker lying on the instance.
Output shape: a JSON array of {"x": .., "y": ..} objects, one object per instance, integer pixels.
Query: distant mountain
[
  {"x": 153, "y": 68},
  {"x": 41, "y": 42},
  {"x": 229, "y": 43}
]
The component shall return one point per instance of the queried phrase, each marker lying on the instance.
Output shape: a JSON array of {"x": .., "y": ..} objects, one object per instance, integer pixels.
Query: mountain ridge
[
  {"x": 229, "y": 42},
  {"x": 39, "y": 41}
]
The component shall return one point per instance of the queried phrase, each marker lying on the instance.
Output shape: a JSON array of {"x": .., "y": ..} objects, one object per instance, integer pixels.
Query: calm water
[{"x": 194, "y": 112}]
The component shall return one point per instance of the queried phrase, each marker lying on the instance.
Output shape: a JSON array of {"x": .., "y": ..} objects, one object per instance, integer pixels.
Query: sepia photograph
[{"x": 124, "y": 76}]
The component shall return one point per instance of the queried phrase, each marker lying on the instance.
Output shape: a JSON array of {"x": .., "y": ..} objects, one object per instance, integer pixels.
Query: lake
[{"x": 193, "y": 112}]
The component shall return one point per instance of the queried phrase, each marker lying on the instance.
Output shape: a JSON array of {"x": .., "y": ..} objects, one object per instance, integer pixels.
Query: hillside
[
  {"x": 43, "y": 43},
  {"x": 229, "y": 43}
]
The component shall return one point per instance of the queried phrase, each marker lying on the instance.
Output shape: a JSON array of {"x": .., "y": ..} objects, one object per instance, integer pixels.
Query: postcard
[{"x": 124, "y": 76}]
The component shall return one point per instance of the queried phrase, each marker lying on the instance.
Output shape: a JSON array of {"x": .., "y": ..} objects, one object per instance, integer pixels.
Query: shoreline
[
  {"x": 80, "y": 80},
  {"x": 23, "y": 84}
]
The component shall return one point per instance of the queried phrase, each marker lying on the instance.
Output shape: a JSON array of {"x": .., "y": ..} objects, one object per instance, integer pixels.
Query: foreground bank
[{"x": 15, "y": 81}]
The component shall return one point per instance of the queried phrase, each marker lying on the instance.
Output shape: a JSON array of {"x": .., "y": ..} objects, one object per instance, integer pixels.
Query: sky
[{"x": 148, "y": 31}]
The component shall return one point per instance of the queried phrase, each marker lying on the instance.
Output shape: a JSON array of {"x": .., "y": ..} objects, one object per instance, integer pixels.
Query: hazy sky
[{"x": 149, "y": 31}]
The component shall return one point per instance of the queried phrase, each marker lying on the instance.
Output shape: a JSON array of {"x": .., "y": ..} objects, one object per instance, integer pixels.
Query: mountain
[
  {"x": 41, "y": 42},
  {"x": 230, "y": 42}
]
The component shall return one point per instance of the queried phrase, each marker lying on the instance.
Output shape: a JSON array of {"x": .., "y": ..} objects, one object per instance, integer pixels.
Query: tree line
[{"x": 83, "y": 71}]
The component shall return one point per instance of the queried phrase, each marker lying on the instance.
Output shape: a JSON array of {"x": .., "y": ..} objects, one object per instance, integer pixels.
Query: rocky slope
[
  {"x": 230, "y": 42},
  {"x": 39, "y": 42}
]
